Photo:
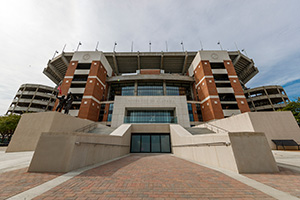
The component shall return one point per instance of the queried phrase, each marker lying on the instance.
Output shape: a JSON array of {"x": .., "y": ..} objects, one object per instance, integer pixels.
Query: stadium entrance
[{"x": 150, "y": 143}]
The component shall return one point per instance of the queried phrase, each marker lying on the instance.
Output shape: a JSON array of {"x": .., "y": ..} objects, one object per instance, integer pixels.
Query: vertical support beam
[
  {"x": 115, "y": 63},
  {"x": 162, "y": 61},
  {"x": 192, "y": 93},
  {"x": 135, "y": 88},
  {"x": 252, "y": 101},
  {"x": 184, "y": 63},
  {"x": 269, "y": 98},
  {"x": 108, "y": 92},
  {"x": 236, "y": 59},
  {"x": 33, "y": 97},
  {"x": 278, "y": 90},
  {"x": 165, "y": 87},
  {"x": 139, "y": 61}
]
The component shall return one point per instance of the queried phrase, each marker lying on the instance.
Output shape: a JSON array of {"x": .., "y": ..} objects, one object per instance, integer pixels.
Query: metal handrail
[
  {"x": 98, "y": 143},
  {"x": 88, "y": 127},
  {"x": 204, "y": 144}
]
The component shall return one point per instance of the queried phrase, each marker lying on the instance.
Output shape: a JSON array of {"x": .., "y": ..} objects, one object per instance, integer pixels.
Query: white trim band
[
  {"x": 239, "y": 96},
  {"x": 97, "y": 79},
  {"x": 91, "y": 97},
  {"x": 209, "y": 97},
  {"x": 68, "y": 77},
  {"x": 203, "y": 79},
  {"x": 233, "y": 76}
]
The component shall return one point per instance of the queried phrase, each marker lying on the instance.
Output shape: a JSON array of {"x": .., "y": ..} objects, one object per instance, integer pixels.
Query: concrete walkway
[
  {"x": 287, "y": 158},
  {"x": 13, "y": 161},
  {"x": 148, "y": 176}
]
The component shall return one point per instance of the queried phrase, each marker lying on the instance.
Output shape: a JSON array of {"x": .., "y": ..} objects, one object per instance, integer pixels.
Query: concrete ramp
[
  {"x": 199, "y": 131},
  {"x": 31, "y": 126},
  {"x": 102, "y": 130},
  {"x": 241, "y": 152}
]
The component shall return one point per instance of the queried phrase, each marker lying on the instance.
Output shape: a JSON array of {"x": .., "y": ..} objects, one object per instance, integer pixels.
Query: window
[
  {"x": 110, "y": 111},
  {"x": 83, "y": 66},
  {"x": 150, "y": 116},
  {"x": 150, "y": 89},
  {"x": 190, "y": 109}
]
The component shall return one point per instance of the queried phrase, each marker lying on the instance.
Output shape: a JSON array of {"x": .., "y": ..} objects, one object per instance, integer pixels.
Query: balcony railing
[{"x": 150, "y": 119}]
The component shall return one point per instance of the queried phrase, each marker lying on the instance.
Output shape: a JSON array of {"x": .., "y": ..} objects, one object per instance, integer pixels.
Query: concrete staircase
[{"x": 198, "y": 131}]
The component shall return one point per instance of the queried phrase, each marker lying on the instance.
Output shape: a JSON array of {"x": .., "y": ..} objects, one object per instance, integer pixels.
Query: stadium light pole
[{"x": 78, "y": 46}]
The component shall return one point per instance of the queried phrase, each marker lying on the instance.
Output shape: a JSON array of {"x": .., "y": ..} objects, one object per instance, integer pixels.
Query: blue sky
[{"x": 31, "y": 31}]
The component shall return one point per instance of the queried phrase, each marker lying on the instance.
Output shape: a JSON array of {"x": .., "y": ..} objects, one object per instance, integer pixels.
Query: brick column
[
  {"x": 94, "y": 92},
  {"x": 66, "y": 84},
  {"x": 237, "y": 88},
  {"x": 207, "y": 92}
]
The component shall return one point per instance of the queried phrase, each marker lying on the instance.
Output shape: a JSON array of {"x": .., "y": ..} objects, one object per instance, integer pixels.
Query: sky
[{"x": 32, "y": 30}]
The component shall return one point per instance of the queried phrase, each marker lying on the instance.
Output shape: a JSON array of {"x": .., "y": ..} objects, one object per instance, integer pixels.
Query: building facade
[
  {"x": 33, "y": 98},
  {"x": 135, "y": 87},
  {"x": 266, "y": 98}
]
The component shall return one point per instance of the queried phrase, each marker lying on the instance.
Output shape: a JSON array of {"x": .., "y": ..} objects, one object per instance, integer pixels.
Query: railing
[
  {"x": 87, "y": 128},
  {"x": 98, "y": 143},
  {"x": 204, "y": 144},
  {"x": 214, "y": 128},
  {"x": 150, "y": 119}
]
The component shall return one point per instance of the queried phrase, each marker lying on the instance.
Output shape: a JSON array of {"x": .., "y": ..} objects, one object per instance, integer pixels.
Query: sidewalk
[{"x": 149, "y": 176}]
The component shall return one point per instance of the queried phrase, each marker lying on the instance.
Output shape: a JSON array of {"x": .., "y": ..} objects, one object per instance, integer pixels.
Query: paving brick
[
  {"x": 16, "y": 181},
  {"x": 286, "y": 180},
  {"x": 153, "y": 177}
]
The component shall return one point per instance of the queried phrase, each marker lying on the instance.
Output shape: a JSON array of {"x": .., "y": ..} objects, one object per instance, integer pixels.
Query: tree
[
  {"x": 8, "y": 125},
  {"x": 294, "y": 107}
]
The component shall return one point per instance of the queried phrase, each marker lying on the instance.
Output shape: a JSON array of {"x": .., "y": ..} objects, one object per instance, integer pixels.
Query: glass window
[
  {"x": 199, "y": 112},
  {"x": 122, "y": 89},
  {"x": 101, "y": 114},
  {"x": 190, "y": 109},
  {"x": 150, "y": 116},
  {"x": 150, "y": 89},
  {"x": 110, "y": 111}
]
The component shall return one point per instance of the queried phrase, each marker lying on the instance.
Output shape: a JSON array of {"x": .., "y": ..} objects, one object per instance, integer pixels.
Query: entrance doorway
[{"x": 150, "y": 143}]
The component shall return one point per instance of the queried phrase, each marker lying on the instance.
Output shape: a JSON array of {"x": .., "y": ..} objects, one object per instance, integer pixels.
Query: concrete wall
[
  {"x": 89, "y": 56},
  {"x": 150, "y": 128},
  {"x": 275, "y": 125},
  {"x": 247, "y": 152},
  {"x": 178, "y": 103},
  {"x": 31, "y": 126},
  {"x": 58, "y": 151},
  {"x": 252, "y": 153}
]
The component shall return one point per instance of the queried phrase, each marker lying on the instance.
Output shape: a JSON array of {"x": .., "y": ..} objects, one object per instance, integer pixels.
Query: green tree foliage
[
  {"x": 294, "y": 107},
  {"x": 8, "y": 125}
]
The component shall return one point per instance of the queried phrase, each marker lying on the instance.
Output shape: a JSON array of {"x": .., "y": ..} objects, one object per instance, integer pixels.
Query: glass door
[{"x": 150, "y": 143}]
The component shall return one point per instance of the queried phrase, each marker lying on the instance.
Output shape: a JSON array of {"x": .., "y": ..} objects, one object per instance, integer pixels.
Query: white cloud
[{"x": 32, "y": 30}]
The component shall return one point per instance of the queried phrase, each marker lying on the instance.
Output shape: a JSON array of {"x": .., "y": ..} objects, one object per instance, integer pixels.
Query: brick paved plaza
[{"x": 149, "y": 176}]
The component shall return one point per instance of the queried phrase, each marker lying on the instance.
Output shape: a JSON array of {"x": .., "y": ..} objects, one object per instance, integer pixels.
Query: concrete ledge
[
  {"x": 63, "y": 151},
  {"x": 239, "y": 152},
  {"x": 31, "y": 126}
]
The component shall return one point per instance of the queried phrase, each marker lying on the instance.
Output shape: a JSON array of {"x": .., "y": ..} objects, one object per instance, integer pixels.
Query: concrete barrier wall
[
  {"x": 31, "y": 126},
  {"x": 275, "y": 125},
  {"x": 252, "y": 153},
  {"x": 247, "y": 152},
  {"x": 64, "y": 152},
  {"x": 217, "y": 156},
  {"x": 150, "y": 128}
]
